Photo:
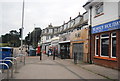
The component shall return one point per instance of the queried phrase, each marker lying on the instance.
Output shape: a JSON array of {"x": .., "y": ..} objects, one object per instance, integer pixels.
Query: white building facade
[{"x": 104, "y": 22}]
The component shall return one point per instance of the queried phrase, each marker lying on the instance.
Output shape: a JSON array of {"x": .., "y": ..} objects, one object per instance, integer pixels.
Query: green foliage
[
  {"x": 4, "y": 44},
  {"x": 10, "y": 39},
  {"x": 33, "y": 37}
]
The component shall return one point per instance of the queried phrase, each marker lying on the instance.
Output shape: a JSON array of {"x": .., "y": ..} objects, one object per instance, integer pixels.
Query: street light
[{"x": 22, "y": 27}]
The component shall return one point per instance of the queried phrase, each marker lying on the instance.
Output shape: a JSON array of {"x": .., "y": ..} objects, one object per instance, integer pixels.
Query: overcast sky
[{"x": 38, "y": 12}]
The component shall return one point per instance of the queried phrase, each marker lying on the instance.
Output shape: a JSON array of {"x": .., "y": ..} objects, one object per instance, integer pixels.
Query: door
[{"x": 78, "y": 52}]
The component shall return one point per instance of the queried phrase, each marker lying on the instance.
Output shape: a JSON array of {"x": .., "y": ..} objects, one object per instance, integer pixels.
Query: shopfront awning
[
  {"x": 55, "y": 38},
  {"x": 65, "y": 41}
]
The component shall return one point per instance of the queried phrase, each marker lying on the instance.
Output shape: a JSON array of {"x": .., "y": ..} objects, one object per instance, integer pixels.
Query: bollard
[
  {"x": 21, "y": 56},
  {"x": 54, "y": 56},
  {"x": 24, "y": 59},
  {"x": 40, "y": 56}
]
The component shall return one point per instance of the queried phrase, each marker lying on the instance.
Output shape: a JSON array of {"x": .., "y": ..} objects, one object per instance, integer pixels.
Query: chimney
[
  {"x": 50, "y": 25},
  {"x": 79, "y": 13},
  {"x": 64, "y": 22},
  {"x": 70, "y": 18}
]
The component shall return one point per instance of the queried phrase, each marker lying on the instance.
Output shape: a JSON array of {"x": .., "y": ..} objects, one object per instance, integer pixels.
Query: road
[{"x": 48, "y": 68}]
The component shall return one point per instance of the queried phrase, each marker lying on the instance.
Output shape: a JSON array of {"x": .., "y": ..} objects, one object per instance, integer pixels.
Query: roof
[
  {"x": 65, "y": 41},
  {"x": 89, "y": 1}
]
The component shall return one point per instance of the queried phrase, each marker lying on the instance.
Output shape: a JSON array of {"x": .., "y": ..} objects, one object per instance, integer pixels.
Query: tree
[
  {"x": 33, "y": 37},
  {"x": 11, "y": 38}
]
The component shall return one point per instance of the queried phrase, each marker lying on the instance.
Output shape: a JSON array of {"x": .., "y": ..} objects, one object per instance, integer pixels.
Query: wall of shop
[
  {"x": 107, "y": 60},
  {"x": 78, "y": 37},
  {"x": 110, "y": 13},
  {"x": 118, "y": 49}
]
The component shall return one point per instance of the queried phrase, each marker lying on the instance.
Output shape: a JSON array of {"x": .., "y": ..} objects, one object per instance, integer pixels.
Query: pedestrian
[
  {"x": 27, "y": 52},
  {"x": 39, "y": 52},
  {"x": 54, "y": 53},
  {"x": 48, "y": 52}
]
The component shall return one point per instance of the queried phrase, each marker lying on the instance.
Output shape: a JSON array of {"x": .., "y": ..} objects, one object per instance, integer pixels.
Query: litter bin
[
  {"x": 6, "y": 52},
  {"x": 32, "y": 52}
]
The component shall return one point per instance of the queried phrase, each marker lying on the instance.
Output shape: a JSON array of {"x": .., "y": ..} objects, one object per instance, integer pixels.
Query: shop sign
[
  {"x": 64, "y": 38},
  {"x": 106, "y": 27},
  {"x": 77, "y": 35}
]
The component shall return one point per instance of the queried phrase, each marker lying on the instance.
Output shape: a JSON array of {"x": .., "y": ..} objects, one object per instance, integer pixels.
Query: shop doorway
[
  {"x": 65, "y": 50},
  {"x": 78, "y": 52}
]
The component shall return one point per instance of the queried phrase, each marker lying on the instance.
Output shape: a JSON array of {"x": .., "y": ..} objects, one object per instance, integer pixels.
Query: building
[
  {"x": 47, "y": 36},
  {"x": 104, "y": 23},
  {"x": 79, "y": 40},
  {"x": 94, "y": 36}
]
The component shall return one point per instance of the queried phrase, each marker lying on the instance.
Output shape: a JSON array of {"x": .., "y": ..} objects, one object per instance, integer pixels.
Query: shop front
[
  {"x": 45, "y": 46},
  {"x": 105, "y": 48},
  {"x": 65, "y": 46},
  {"x": 55, "y": 46},
  {"x": 79, "y": 45}
]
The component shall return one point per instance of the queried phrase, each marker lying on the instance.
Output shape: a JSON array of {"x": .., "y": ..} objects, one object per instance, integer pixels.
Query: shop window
[
  {"x": 113, "y": 45},
  {"x": 105, "y": 45},
  {"x": 96, "y": 45}
]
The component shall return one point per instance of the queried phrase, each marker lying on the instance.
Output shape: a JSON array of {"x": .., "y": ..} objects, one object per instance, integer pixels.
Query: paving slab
[{"x": 48, "y": 68}]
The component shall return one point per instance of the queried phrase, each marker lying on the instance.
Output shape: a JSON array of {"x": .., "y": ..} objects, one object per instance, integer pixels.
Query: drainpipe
[{"x": 90, "y": 34}]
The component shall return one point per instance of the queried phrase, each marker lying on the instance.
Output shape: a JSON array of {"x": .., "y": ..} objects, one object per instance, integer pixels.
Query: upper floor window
[
  {"x": 65, "y": 26},
  {"x": 55, "y": 30},
  {"x": 99, "y": 8},
  {"x": 69, "y": 24},
  {"x": 77, "y": 20},
  {"x": 72, "y": 22},
  {"x": 50, "y": 30}
]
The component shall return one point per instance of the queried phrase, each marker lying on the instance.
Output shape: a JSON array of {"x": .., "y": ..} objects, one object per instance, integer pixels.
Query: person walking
[{"x": 39, "y": 52}]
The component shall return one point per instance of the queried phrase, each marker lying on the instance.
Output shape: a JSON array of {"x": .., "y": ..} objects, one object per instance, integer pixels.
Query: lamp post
[
  {"x": 22, "y": 27},
  {"x": 22, "y": 32}
]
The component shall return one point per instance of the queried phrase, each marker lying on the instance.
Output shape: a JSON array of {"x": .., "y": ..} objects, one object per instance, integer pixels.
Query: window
[
  {"x": 77, "y": 20},
  {"x": 72, "y": 22},
  {"x": 50, "y": 30},
  {"x": 47, "y": 30},
  {"x": 65, "y": 26},
  {"x": 105, "y": 45},
  {"x": 69, "y": 24},
  {"x": 96, "y": 45},
  {"x": 113, "y": 44},
  {"x": 99, "y": 8},
  {"x": 55, "y": 30},
  {"x": 51, "y": 36}
]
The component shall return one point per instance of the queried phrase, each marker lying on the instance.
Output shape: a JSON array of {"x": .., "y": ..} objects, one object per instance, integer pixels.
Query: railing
[
  {"x": 9, "y": 67},
  {"x": 14, "y": 60}
]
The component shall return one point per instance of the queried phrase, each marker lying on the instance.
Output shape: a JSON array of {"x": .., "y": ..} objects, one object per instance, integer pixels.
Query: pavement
[{"x": 48, "y": 68}]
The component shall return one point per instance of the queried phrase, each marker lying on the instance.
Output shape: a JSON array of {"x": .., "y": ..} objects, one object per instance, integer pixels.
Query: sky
[{"x": 38, "y": 13}]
